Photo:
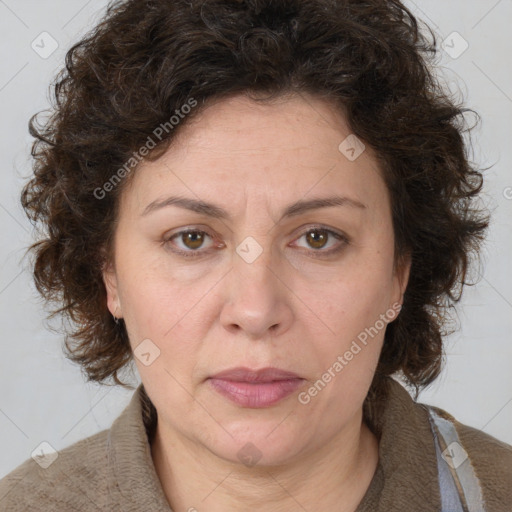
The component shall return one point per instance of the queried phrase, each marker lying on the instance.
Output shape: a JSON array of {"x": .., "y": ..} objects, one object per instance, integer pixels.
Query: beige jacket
[{"x": 113, "y": 469}]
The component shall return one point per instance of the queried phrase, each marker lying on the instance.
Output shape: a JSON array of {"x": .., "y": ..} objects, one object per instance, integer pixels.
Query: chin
[{"x": 266, "y": 443}]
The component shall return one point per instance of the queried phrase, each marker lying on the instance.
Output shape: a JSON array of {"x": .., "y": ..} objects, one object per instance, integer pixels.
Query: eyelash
[{"x": 316, "y": 253}]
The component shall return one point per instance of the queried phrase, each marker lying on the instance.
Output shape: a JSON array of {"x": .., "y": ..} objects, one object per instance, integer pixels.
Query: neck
[{"x": 335, "y": 476}]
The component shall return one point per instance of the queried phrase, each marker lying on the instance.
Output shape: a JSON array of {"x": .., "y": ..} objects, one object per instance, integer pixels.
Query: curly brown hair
[{"x": 147, "y": 58}]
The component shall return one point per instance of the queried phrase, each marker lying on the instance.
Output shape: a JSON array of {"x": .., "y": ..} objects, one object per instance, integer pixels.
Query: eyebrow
[{"x": 215, "y": 211}]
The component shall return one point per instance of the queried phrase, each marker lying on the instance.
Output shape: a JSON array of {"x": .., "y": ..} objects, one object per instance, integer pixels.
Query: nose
[{"x": 257, "y": 301}]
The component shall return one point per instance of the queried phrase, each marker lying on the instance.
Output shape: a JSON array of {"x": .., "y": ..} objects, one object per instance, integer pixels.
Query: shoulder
[
  {"x": 491, "y": 460},
  {"x": 67, "y": 483}
]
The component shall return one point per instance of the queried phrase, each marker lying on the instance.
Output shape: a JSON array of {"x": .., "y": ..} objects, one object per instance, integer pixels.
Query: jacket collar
[
  {"x": 134, "y": 483},
  {"x": 405, "y": 479}
]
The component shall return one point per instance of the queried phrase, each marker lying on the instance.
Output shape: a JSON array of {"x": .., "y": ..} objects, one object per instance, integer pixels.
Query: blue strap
[{"x": 459, "y": 486}]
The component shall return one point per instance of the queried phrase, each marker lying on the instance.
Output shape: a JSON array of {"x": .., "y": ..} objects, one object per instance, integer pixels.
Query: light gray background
[{"x": 44, "y": 397}]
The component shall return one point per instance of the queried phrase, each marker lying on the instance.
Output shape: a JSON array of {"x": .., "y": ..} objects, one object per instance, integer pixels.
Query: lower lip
[{"x": 256, "y": 395}]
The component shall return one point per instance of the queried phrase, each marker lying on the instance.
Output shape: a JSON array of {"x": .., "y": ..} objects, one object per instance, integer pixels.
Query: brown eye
[
  {"x": 188, "y": 242},
  {"x": 191, "y": 242},
  {"x": 323, "y": 242},
  {"x": 193, "y": 239},
  {"x": 317, "y": 238}
]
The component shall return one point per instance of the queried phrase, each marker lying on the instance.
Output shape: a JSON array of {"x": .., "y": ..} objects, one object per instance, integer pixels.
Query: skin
[{"x": 289, "y": 308}]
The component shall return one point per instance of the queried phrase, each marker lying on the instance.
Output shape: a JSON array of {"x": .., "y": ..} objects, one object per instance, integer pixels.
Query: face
[{"x": 276, "y": 281}]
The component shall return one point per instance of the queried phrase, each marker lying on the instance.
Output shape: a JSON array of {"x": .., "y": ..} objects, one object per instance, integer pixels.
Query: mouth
[{"x": 255, "y": 388}]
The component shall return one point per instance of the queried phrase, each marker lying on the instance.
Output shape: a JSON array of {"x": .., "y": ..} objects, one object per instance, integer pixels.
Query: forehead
[{"x": 240, "y": 151}]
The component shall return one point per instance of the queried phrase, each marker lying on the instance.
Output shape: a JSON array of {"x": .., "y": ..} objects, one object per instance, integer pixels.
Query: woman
[{"x": 268, "y": 207}]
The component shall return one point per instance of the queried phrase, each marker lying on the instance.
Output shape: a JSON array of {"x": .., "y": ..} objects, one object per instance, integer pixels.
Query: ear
[
  {"x": 111, "y": 287},
  {"x": 401, "y": 278}
]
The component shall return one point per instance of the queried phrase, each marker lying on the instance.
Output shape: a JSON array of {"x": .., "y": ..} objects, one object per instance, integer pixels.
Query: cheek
[
  {"x": 357, "y": 298},
  {"x": 353, "y": 307},
  {"x": 350, "y": 359},
  {"x": 150, "y": 296},
  {"x": 162, "y": 315},
  {"x": 158, "y": 307},
  {"x": 146, "y": 311}
]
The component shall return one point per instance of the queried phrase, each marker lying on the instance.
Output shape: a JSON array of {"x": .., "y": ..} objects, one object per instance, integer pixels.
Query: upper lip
[{"x": 242, "y": 374}]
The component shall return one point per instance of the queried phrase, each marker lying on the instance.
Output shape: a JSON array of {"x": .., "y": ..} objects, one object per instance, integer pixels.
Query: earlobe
[
  {"x": 402, "y": 277},
  {"x": 405, "y": 273},
  {"x": 110, "y": 281}
]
